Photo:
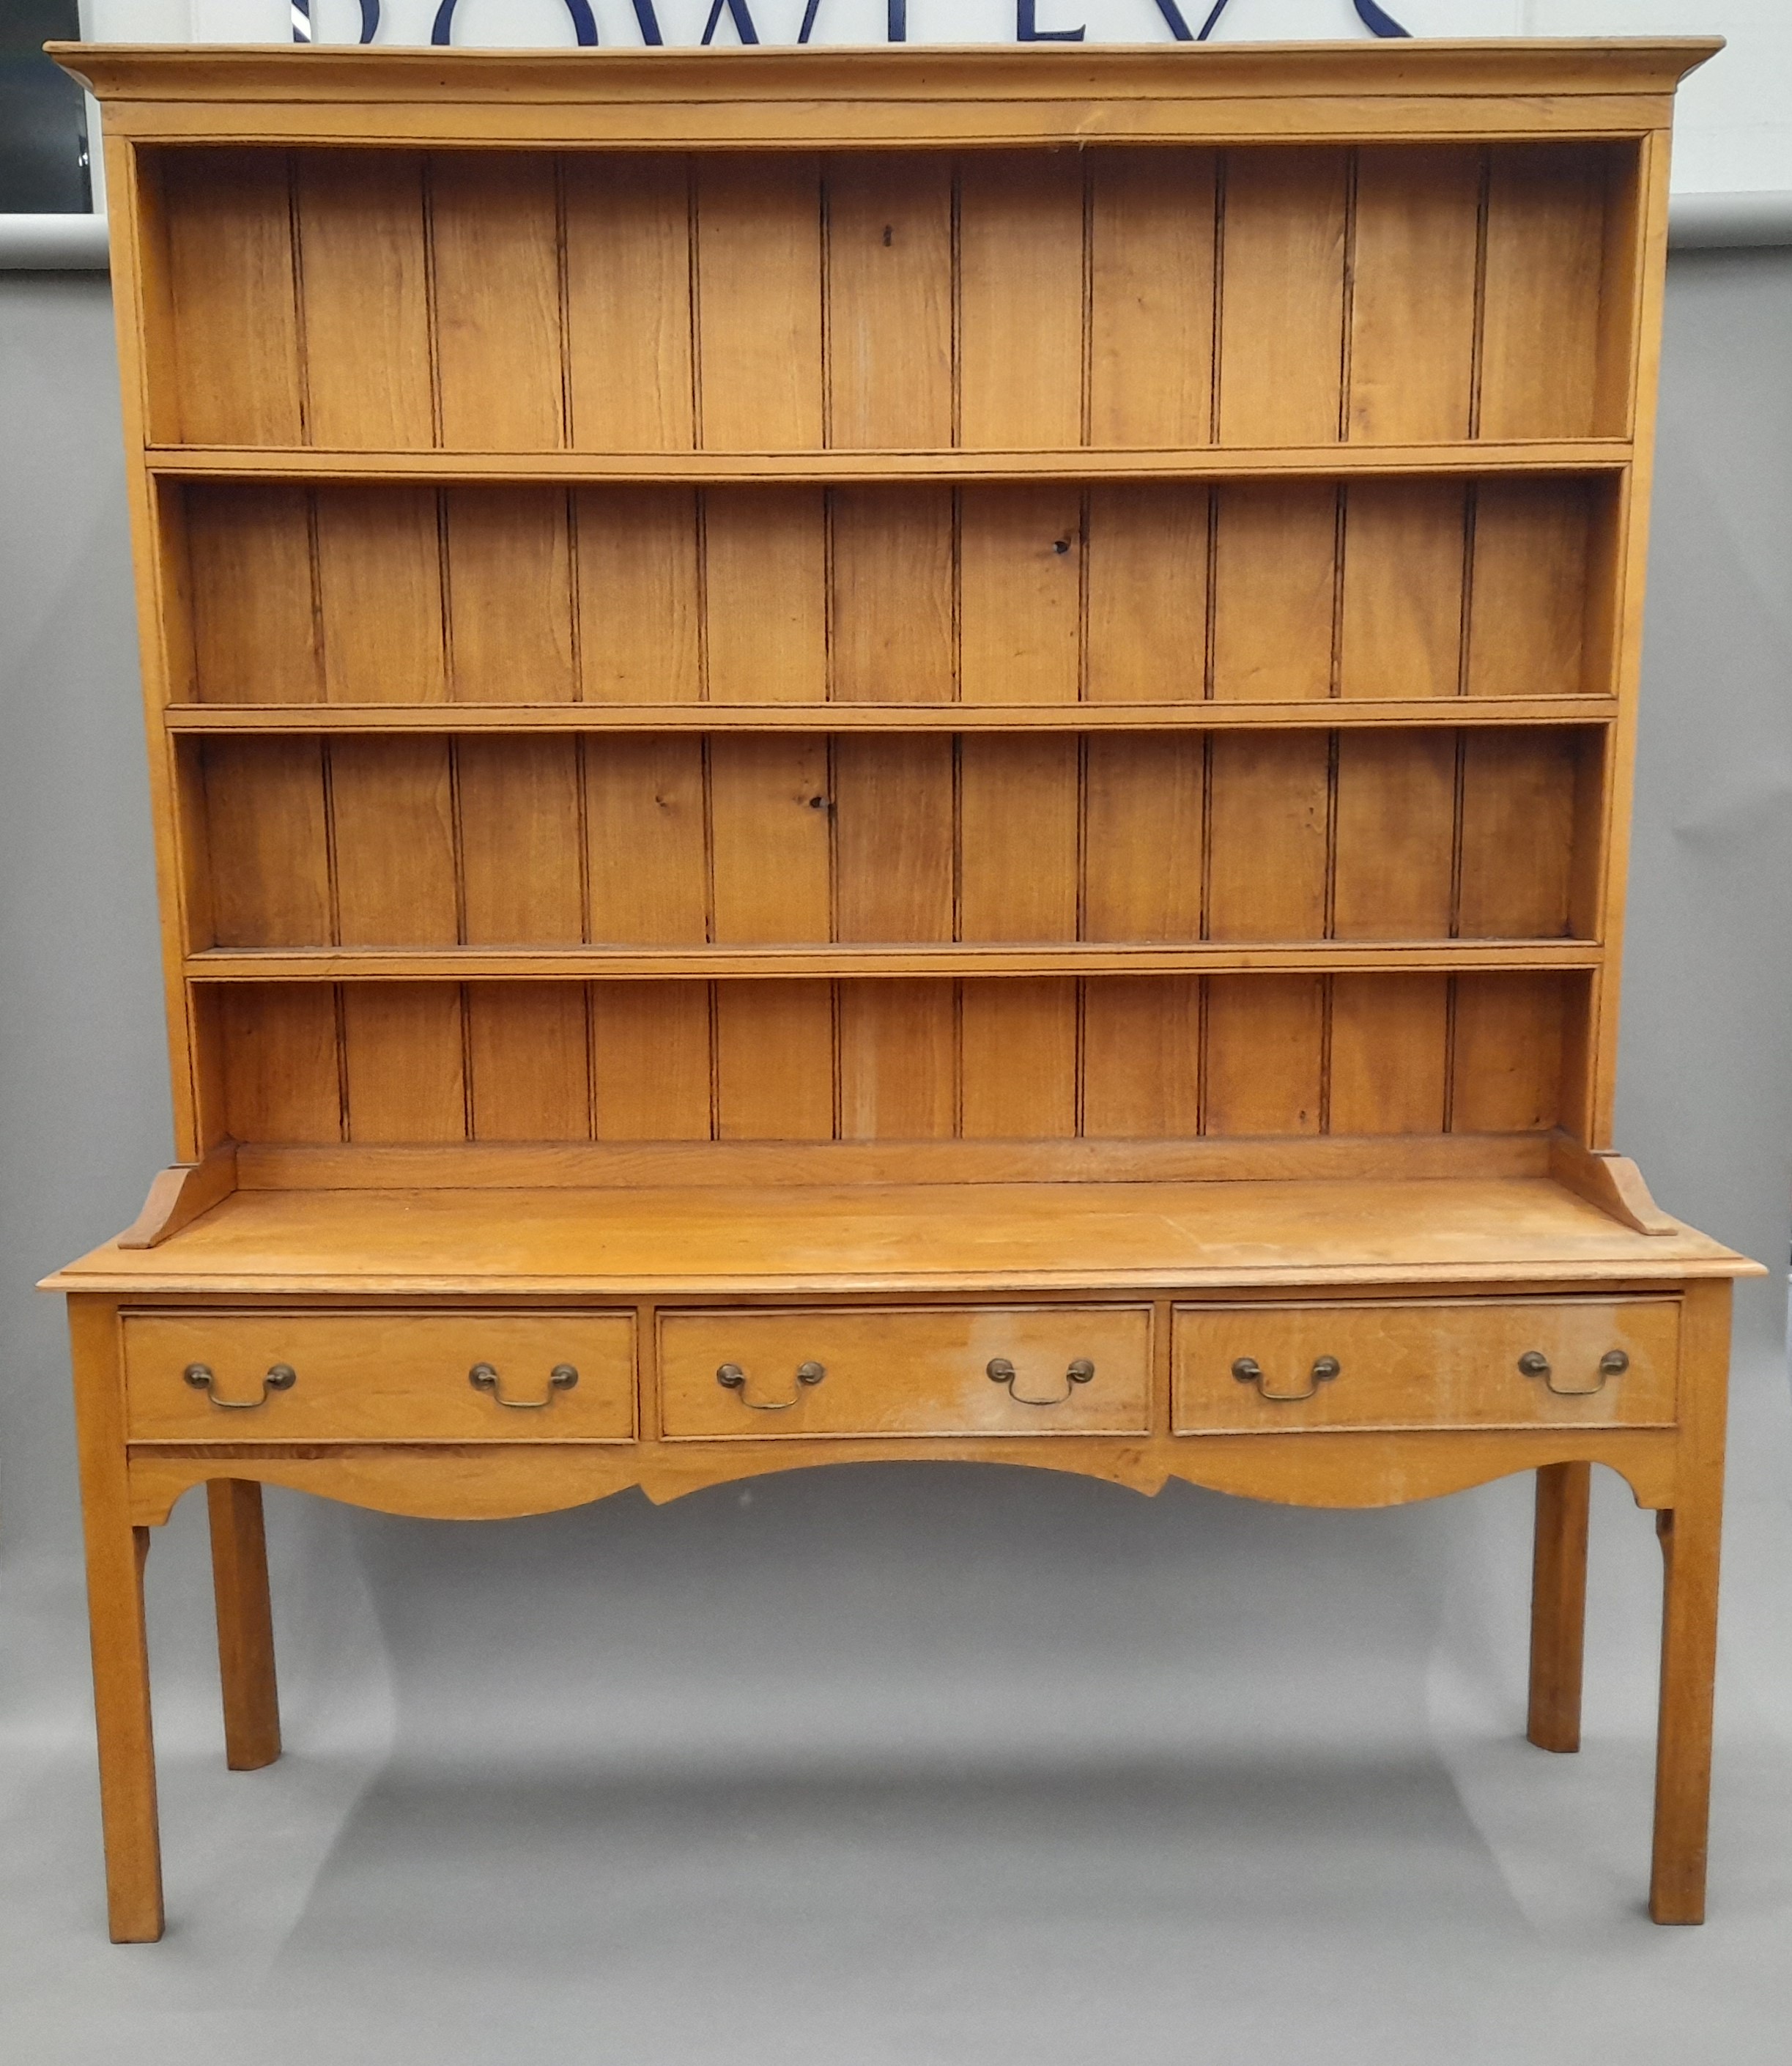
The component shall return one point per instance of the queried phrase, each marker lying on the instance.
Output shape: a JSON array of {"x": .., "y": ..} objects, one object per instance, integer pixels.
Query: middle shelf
[
  {"x": 1029, "y": 958},
  {"x": 1342, "y": 714}
]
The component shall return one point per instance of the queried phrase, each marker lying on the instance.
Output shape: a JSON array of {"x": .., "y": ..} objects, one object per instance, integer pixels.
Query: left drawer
[{"x": 380, "y": 1376}]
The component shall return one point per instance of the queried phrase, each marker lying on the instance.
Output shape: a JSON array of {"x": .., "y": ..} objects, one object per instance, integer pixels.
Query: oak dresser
[{"x": 891, "y": 755}]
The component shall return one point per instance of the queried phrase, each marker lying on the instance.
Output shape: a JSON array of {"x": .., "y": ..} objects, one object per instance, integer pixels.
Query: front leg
[
  {"x": 115, "y": 1554},
  {"x": 1690, "y": 1533},
  {"x": 1683, "y": 1745}
]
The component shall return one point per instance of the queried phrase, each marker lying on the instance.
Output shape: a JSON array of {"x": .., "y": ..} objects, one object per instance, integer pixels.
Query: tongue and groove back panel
[
  {"x": 1268, "y": 801},
  {"x": 480, "y": 301}
]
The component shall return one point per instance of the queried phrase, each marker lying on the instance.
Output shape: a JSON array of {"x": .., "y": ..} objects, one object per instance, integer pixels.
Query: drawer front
[
  {"x": 907, "y": 1371},
  {"x": 1428, "y": 1364},
  {"x": 377, "y": 1376}
]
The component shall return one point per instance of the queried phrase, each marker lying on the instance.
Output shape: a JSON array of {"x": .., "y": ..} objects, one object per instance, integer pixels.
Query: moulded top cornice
[{"x": 882, "y": 95}]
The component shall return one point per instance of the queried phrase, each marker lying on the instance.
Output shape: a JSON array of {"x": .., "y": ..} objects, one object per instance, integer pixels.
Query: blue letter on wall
[{"x": 1026, "y": 29}]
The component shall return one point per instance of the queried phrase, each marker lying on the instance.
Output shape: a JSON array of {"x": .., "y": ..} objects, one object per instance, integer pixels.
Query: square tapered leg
[
  {"x": 1559, "y": 1604},
  {"x": 116, "y": 1555},
  {"x": 245, "y": 1624}
]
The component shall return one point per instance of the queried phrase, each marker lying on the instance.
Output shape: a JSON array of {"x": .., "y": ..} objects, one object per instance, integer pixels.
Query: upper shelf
[{"x": 1564, "y": 456}]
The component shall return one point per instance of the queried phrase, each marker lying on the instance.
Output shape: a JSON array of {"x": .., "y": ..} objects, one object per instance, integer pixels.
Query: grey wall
[
  {"x": 772, "y": 1727},
  {"x": 83, "y": 1097},
  {"x": 1705, "y": 1089}
]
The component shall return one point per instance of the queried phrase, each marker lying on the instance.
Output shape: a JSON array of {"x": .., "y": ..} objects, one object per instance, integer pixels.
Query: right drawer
[{"x": 1439, "y": 1362}]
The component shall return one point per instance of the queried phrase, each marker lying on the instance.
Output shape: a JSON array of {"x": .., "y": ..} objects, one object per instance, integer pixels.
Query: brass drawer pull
[
  {"x": 1535, "y": 1363},
  {"x": 1001, "y": 1371},
  {"x": 484, "y": 1377},
  {"x": 732, "y": 1378},
  {"x": 280, "y": 1377},
  {"x": 1248, "y": 1371}
]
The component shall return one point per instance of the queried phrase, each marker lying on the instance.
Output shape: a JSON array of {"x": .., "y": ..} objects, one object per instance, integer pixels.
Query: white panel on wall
[
  {"x": 1735, "y": 128},
  {"x": 1732, "y": 126}
]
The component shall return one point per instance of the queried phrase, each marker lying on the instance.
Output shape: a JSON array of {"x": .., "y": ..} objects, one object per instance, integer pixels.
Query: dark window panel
[{"x": 43, "y": 127}]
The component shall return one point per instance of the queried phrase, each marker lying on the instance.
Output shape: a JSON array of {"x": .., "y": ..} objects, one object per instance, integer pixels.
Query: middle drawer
[{"x": 941, "y": 1370}]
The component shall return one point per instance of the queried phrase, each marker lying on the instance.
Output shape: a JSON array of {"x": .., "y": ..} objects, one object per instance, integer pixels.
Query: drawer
[
  {"x": 907, "y": 1371},
  {"x": 378, "y": 1376},
  {"x": 1441, "y": 1363}
]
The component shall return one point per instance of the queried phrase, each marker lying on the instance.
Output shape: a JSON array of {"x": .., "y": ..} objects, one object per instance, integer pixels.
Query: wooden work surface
[{"x": 800, "y": 1240}]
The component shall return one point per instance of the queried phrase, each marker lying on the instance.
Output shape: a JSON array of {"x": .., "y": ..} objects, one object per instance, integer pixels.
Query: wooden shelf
[
  {"x": 1325, "y": 713},
  {"x": 1042, "y": 957},
  {"x": 925, "y": 467}
]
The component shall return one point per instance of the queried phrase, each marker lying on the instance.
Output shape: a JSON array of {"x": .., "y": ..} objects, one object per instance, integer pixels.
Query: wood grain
[
  {"x": 1412, "y": 313},
  {"x": 759, "y": 324},
  {"x": 1020, "y": 326},
  {"x": 766, "y": 590},
  {"x": 1404, "y": 555},
  {"x": 893, "y": 839},
  {"x": 893, "y": 564},
  {"x": 268, "y": 841},
  {"x": 518, "y": 814},
  {"x": 282, "y": 1067},
  {"x": 1147, "y": 601},
  {"x": 1265, "y": 1047},
  {"x": 1020, "y": 600},
  {"x": 1395, "y": 837},
  {"x": 510, "y": 605},
  {"x": 1282, "y": 299},
  {"x": 365, "y": 263},
  {"x": 1268, "y": 837},
  {"x": 640, "y": 589},
  {"x": 1151, "y": 297},
  {"x": 628, "y": 301},
  {"x": 495, "y": 237},
  {"x": 249, "y": 584},
  {"x": 646, "y": 819},
  {"x": 379, "y": 595},
  {"x": 233, "y": 295},
  {"x": 404, "y": 1062},
  {"x": 1274, "y": 589},
  {"x": 890, "y": 301},
  {"x": 528, "y": 1062},
  {"x": 1545, "y": 248}
]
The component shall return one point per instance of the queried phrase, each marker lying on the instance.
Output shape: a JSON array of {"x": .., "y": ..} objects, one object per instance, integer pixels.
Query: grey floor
[{"x": 917, "y": 1764}]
